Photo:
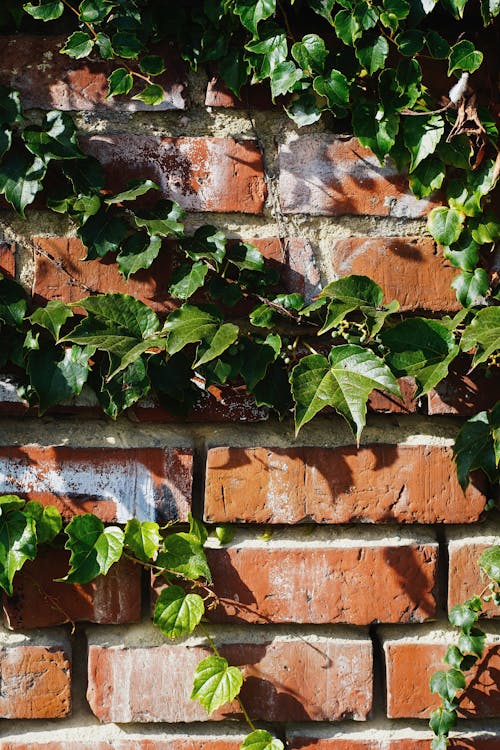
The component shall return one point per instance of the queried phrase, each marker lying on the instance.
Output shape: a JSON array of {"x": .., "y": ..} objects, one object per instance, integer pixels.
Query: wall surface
[{"x": 337, "y": 613}]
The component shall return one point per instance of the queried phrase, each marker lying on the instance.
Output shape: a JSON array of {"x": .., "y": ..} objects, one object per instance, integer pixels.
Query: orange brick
[
  {"x": 313, "y": 741},
  {"x": 378, "y": 483},
  {"x": 465, "y": 393},
  {"x": 114, "y": 483},
  {"x": 164, "y": 740},
  {"x": 7, "y": 259},
  {"x": 287, "y": 677},
  {"x": 412, "y": 662},
  {"x": 464, "y": 575},
  {"x": 409, "y": 269}
]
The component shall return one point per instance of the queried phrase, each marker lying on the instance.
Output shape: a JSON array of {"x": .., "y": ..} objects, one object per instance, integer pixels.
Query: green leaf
[
  {"x": 122, "y": 311},
  {"x": 119, "y": 82},
  {"x": 463, "y": 254},
  {"x": 462, "y": 616},
  {"x": 344, "y": 382},
  {"x": 10, "y": 502},
  {"x": 474, "y": 448},
  {"x": 427, "y": 177},
  {"x": 126, "y": 45},
  {"x": 258, "y": 354},
  {"x": 465, "y": 57},
  {"x": 373, "y": 128},
  {"x": 56, "y": 139},
  {"x": 191, "y": 324},
  {"x": 17, "y": 544},
  {"x": 52, "y": 317},
  {"x": 94, "y": 11},
  {"x": 489, "y": 10},
  {"x": 310, "y": 53},
  {"x": 261, "y": 740},
  {"x": 94, "y": 548},
  {"x": 251, "y": 12},
  {"x": 104, "y": 44},
  {"x": 485, "y": 230},
  {"x": 372, "y": 53},
  {"x": 11, "y": 110},
  {"x": 421, "y": 137},
  {"x": 163, "y": 219},
  {"x": 86, "y": 176},
  {"x": 188, "y": 279},
  {"x": 471, "y": 287},
  {"x": 447, "y": 684},
  {"x": 21, "y": 179},
  {"x": 453, "y": 657},
  {"x": 323, "y": 8},
  {"x": 445, "y": 224},
  {"x": 134, "y": 189},
  {"x": 442, "y": 721},
  {"x": 411, "y": 41},
  {"x": 47, "y": 520},
  {"x": 137, "y": 252},
  {"x": 216, "y": 683},
  {"x": 482, "y": 334},
  {"x": 224, "y": 533},
  {"x": 489, "y": 562},
  {"x": 125, "y": 388},
  {"x": 177, "y": 613},
  {"x": 142, "y": 538},
  {"x": 438, "y": 47},
  {"x": 472, "y": 642},
  {"x": 303, "y": 109},
  {"x": 184, "y": 554},
  {"x": 152, "y": 65},
  {"x": 102, "y": 234},
  {"x": 13, "y": 302},
  {"x": 45, "y": 11},
  {"x": 267, "y": 52},
  {"x": 421, "y": 348},
  {"x": 197, "y": 529},
  {"x": 79, "y": 44},
  {"x": 335, "y": 88},
  {"x": 55, "y": 379},
  {"x": 284, "y": 78},
  {"x": 347, "y": 27},
  {"x": 152, "y": 94}
]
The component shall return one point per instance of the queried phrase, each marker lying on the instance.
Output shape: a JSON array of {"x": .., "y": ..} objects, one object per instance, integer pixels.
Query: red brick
[
  {"x": 465, "y": 393},
  {"x": 332, "y": 176},
  {"x": 287, "y": 678},
  {"x": 295, "y": 578},
  {"x": 251, "y": 97},
  {"x": 378, "y": 483},
  {"x": 39, "y": 601},
  {"x": 410, "y": 665},
  {"x": 7, "y": 259},
  {"x": 36, "y": 681},
  {"x": 164, "y": 740},
  {"x": 464, "y": 575},
  {"x": 310, "y": 741},
  {"x": 114, "y": 483},
  {"x": 409, "y": 269},
  {"x": 202, "y": 174},
  {"x": 385, "y": 403},
  {"x": 47, "y": 79}
]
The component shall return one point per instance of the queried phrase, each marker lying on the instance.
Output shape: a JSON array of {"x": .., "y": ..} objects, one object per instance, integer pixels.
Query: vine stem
[{"x": 216, "y": 651}]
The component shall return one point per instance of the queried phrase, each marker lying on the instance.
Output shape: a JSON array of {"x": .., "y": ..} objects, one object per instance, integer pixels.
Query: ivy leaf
[
  {"x": 54, "y": 379},
  {"x": 465, "y": 57},
  {"x": 177, "y": 613},
  {"x": 10, "y": 502},
  {"x": 411, "y": 41},
  {"x": 447, "y": 684},
  {"x": 427, "y": 177},
  {"x": 11, "y": 110},
  {"x": 56, "y": 139},
  {"x": 471, "y": 287},
  {"x": 373, "y": 128},
  {"x": 489, "y": 562},
  {"x": 94, "y": 548},
  {"x": 347, "y": 27},
  {"x": 188, "y": 279},
  {"x": 489, "y": 10},
  {"x": 142, "y": 538},
  {"x": 197, "y": 529},
  {"x": 126, "y": 45},
  {"x": 120, "y": 81},
  {"x": 48, "y": 521},
  {"x": 335, "y": 88},
  {"x": 13, "y": 302},
  {"x": 183, "y": 553},
  {"x": 284, "y": 78},
  {"x": 421, "y": 348},
  {"x": 190, "y": 324},
  {"x": 206, "y": 243},
  {"x": 152, "y": 94},
  {"x": 475, "y": 448},
  {"x": 102, "y": 234},
  {"x": 94, "y": 11},
  {"x": 126, "y": 387},
  {"x": 457, "y": 7},
  {"x": 310, "y": 53},
  {"x": 52, "y": 317},
  {"x": 267, "y": 52},
  {"x": 323, "y": 8},
  {"x": 421, "y": 137},
  {"x": 304, "y": 109},
  {"x": 79, "y": 44},
  {"x": 372, "y": 52},
  {"x": 251, "y": 12},
  {"x": 17, "y": 544},
  {"x": 135, "y": 188},
  {"x": 482, "y": 334},
  {"x": 163, "y": 219},
  {"x": 344, "y": 381},
  {"x": 122, "y": 311},
  {"x": 485, "y": 230},
  {"x": 21, "y": 179},
  {"x": 472, "y": 642},
  {"x": 438, "y": 47},
  {"x": 137, "y": 252},
  {"x": 45, "y": 11},
  {"x": 86, "y": 176},
  {"x": 441, "y": 722},
  {"x": 216, "y": 683},
  {"x": 463, "y": 254},
  {"x": 258, "y": 354},
  {"x": 261, "y": 740},
  {"x": 5, "y": 140},
  {"x": 355, "y": 293},
  {"x": 152, "y": 65},
  {"x": 445, "y": 224}
]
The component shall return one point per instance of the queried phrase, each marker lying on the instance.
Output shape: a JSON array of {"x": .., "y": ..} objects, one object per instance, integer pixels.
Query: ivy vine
[{"x": 373, "y": 67}]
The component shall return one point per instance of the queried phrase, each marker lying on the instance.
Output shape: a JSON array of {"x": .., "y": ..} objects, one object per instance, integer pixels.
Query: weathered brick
[
  {"x": 47, "y": 79},
  {"x": 294, "y": 677},
  {"x": 332, "y": 176},
  {"x": 378, "y": 483},
  {"x": 35, "y": 679},
  {"x": 254, "y": 97},
  {"x": 312, "y": 579},
  {"x": 202, "y": 174},
  {"x": 465, "y": 393},
  {"x": 410, "y": 663},
  {"x": 380, "y": 740},
  {"x": 7, "y": 259},
  {"x": 39, "y": 601},
  {"x": 104, "y": 738},
  {"x": 409, "y": 269},
  {"x": 385, "y": 403},
  {"x": 464, "y": 575},
  {"x": 114, "y": 483}
]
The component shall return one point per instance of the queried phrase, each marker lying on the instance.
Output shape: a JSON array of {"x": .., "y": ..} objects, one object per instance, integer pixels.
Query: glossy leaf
[
  {"x": 152, "y": 94},
  {"x": 216, "y": 683},
  {"x": 79, "y": 44},
  {"x": 13, "y": 302},
  {"x": 138, "y": 252},
  {"x": 120, "y": 81},
  {"x": 445, "y": 225},
  {"x": 464, "y": 57},
  {"x": 447, "y": 684},
  {"x": 183, "y": 553},
  {"x": 21, "y": 179},
  {"x": 483, "y": 334},
  {"x": 177, "y": 613},
  {"x": 260, "y": 739},
  {"x": 52, "y": 317},
  {"x": 47, "y": 10},
  {"x": 142, "y": 538},
  {"x": 251, "y": 12},
  {"x": 94, "y": 548},
  {"x": 56, "y": 379},
  {"x": 489, "y": 562},
  {"x": 188, "y": 279},
  {"x": 163, "y": 219},
  {"x": 134, "y": 189},
  {"x": 55, "y": 139},
  {"x": 18, "y": 544},
  {"x": 48, "y": 521},
  {"x": 475, "y": 448}
]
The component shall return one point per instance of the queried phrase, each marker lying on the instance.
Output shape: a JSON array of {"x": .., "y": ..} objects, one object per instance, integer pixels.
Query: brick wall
[{"x": 337, "y": 613}]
